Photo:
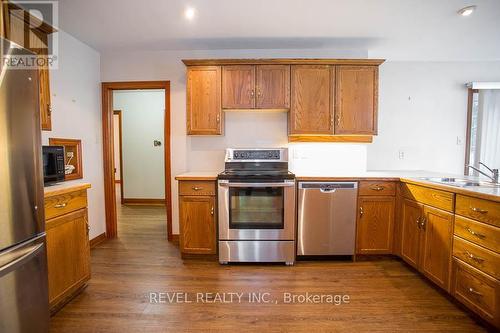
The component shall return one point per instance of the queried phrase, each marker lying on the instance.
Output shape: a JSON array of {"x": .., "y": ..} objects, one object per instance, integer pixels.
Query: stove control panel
[{"x": 271, "y": 155}]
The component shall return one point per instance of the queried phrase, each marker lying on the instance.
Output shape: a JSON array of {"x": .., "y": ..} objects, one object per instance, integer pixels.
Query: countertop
[
  {"x": 198, "y": 175},
  {"x": 406, "y": 176},
  {"x": 65, "y": 187}
]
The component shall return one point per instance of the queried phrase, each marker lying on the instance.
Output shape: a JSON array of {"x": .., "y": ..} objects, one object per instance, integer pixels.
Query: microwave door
[{"x": 21, "y": 182}]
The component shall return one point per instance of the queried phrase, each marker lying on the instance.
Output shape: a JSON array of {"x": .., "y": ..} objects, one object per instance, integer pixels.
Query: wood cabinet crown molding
[{"x": 282, "y": 61}]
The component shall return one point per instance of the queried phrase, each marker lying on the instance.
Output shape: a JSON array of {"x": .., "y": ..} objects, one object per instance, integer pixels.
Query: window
[{"x": 483, "y": 130}]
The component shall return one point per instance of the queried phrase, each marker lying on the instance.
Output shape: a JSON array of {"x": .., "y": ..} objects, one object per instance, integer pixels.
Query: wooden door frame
[
  {"x": 107, "y": 89},
  {"x": 119, "y": 114}
]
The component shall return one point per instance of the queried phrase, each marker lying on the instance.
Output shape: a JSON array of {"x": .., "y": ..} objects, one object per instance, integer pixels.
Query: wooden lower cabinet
[
  {"x": 68, "y": 247},
  {"x": 411, "y": 213},
  {"x": 427, "y": 234},
  {"x": 436, "y": 246},
  {"x": 197, "y": 217},
  {"x": 476, "y": 290},
  {"x": 375, "y": 225},
  {"x": 68, "y": 253}
]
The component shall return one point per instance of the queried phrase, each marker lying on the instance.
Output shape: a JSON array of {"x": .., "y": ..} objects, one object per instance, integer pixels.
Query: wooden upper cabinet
[
  {"x": 273, "y": 86},
  {"x": 203, "y": 98},
  {"x": 375, "y": 225},
  {"x": 356, "y": 97},
  {"x": 238, "y": 87},
  {"x": 436, "y": 248},
  {"x": 311, "y": 109}
]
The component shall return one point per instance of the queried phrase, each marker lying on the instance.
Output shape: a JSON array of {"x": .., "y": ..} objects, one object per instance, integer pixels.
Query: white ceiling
[{"x": 392, "y": 29}]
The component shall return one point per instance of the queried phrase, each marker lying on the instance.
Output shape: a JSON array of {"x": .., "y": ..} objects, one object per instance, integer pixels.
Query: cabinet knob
[
  {"x": 422, "y": 222},
  {"x": 196, "y": 188},
  {"x": 212, "y": 211},
  {"x": 361, "y": 212}
]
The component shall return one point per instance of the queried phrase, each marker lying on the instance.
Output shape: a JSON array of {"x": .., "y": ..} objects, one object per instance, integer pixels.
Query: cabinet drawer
[
  {"x": 65, "y": 203},
  {"x": 377, "y": 188},
  {"x": 478, "y": 233},
  {"x": 194, "y": 187},
  {"x": 481, "y": 258},
  {"x": 436, "y": 198},
  {"x": 478, "y": 209},
  {"x": 477, "y": 291}
]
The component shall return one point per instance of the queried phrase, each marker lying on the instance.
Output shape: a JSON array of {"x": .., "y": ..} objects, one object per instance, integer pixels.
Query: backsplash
[{"x": 327, "y": 158}]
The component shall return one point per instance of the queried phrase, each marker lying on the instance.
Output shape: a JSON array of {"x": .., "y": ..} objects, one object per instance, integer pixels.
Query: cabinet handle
[
  {"x": 252, "y": 92},
  {"x": 361, "y": 212},
  {"x": 422, "y": 222},
  {"x": 419, "y": 222},
  {"x": 212, "y": 211},
  {"x": 339, "y": 119},
  {"x": 377, "y": 188},
  {"x": 217, "y": 118},
  {"x": 473, "y": 233},
  {"x": 473, "y": 292},
  {"x": 49, "y": 109},
  {"x": 196, "y": 188},
  {"x": 259, "y": 92},
  {"x": 478, "y": 210},
  {"x": 88, "y": 226},
  {"x": 331, "y": 124},
  {"x": 473, "y": 257},
  {"x": 61, "y": 205}
]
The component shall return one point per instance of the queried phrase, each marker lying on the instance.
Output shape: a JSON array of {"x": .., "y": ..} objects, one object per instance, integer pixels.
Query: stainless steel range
[{"x": 256, "y": 207}]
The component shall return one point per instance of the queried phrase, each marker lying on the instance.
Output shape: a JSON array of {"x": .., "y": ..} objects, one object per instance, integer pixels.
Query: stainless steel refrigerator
[{"x": 23, "y": 262}]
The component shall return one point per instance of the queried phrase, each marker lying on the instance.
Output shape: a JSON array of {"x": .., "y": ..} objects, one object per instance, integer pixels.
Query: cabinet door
[
  {"x": 375, "y": 225},
  {"x": 38, "y": 43},
  {"x": 203, "y": 97},
  {"x": 410, "y": 243},
  {"x": 238, "y": 87},
  {"x": 68, "y": 254},
  {"x": 356, "y": 100},
  {"x": 311, "y": 110},
  {"x": 273, "y": 86},
  {"x": 197, "y": 224},
  {"x": 436, "y": 250}
]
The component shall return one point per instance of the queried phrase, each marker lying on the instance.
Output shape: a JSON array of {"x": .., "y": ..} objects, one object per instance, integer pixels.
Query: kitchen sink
[{"x": 461, "y": 182}]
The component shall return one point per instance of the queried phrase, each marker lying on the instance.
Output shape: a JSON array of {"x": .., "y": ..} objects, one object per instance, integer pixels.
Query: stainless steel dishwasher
[{"x": 327, "y": 218}]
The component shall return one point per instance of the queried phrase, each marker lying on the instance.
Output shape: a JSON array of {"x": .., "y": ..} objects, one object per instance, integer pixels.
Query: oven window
[{"x": 256, "y": 208}]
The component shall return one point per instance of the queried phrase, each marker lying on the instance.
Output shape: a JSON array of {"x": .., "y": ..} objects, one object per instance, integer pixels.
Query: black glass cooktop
[{"x": 256, "y": 175}]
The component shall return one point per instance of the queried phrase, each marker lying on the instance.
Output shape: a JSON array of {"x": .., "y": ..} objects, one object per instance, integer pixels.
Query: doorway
[{"x": 109, "y": 112}]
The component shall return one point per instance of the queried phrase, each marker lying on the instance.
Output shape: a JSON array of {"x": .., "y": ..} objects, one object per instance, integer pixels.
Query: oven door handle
[{"x": 257, "y": 184}]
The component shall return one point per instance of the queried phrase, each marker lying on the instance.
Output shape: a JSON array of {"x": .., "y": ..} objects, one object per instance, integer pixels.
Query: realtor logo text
[{"x": 249, "y": 297}]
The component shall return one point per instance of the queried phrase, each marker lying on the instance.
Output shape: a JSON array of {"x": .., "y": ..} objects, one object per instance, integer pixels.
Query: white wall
[
  {"x": 143, "y": 114},
  {"x": 423, "y": 112},
  {"x": 425, "y": 127},
  {"x": 116, "y": 141},
  {"x": 76, "y": 114}
]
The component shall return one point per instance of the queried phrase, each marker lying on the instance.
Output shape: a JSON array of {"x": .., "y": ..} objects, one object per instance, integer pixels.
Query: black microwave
[{"x": 53, "y": 164}]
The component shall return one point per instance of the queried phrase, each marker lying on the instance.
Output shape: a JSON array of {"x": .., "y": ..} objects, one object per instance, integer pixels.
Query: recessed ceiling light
[
  {"x": 189, "y": 13},
  {"x": 466, "y": 11}
]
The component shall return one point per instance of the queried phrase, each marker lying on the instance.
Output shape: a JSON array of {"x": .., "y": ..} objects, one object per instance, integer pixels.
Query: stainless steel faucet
[{"x": 494, "y": 172}]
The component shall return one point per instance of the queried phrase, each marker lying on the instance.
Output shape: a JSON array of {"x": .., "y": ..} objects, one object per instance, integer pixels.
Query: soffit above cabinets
[{"x": 282, "y": 61}]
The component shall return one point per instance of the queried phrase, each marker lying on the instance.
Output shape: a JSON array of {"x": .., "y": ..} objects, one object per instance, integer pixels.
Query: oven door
[{"x": 256, "y": 211}]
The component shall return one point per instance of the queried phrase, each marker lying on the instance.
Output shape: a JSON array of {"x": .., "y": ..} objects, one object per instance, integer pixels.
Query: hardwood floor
[{"x": 385, "y": 295}]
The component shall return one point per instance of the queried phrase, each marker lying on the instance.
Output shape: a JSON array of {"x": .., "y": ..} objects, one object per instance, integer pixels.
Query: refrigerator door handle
[{"x": 11, "y": 260}]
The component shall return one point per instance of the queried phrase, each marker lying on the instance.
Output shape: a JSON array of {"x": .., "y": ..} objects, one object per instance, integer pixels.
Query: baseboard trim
[
  {"x": 97, "y": 240},
  {"x": 175, "y": 239},
  {"x": 146, "y": 202}
]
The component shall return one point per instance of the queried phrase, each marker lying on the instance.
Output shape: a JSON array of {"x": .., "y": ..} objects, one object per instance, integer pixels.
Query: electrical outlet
[
  {"x": 460, "y": 141},
  {"x": 401, "y": 155}
]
